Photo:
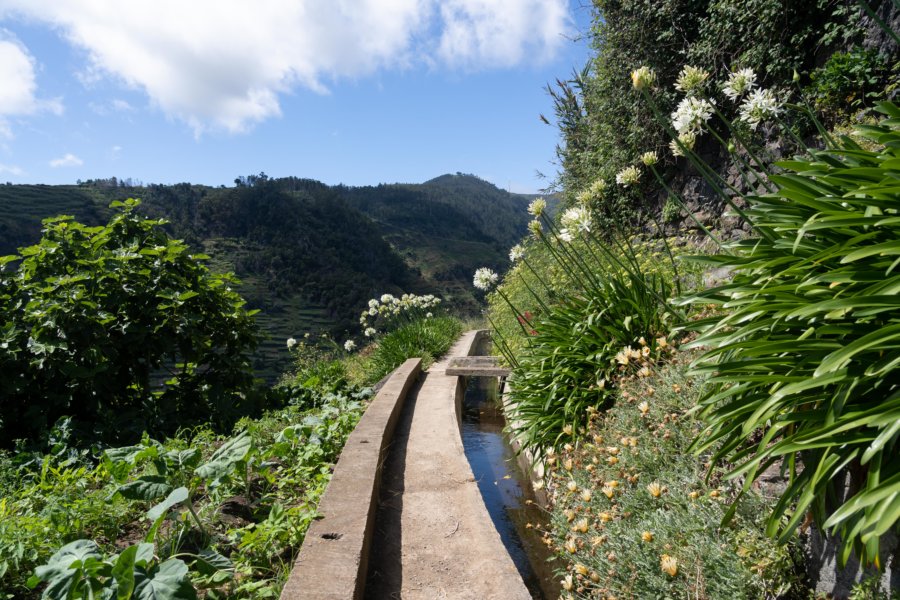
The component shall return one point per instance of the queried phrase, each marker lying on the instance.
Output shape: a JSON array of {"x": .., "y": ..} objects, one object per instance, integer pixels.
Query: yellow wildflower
[
  {"x": 572, "y": 486},
  {"x": 647, "y": 536},
  {"x": 567, "y": 583},
  {"x": 586, "y": 495},
  {"x": 571, "y": 546},
  {"x": 581, "y": 525},
  {"x": 669, "y": 565},
  {"x": 655, "y": 489},
  {"x": 581, "y": 569}
]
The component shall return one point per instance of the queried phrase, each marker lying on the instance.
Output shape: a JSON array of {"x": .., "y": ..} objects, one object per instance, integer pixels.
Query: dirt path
[{"x": 433, "y": 535}]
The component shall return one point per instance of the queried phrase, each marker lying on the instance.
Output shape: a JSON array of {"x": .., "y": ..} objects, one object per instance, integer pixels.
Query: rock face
[
  {"x": 828, "y": 578},
  {"x": 875, "y": 36}
]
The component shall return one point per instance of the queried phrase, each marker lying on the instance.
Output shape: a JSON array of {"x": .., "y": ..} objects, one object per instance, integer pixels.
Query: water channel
[{"x": 505, "y": 488}]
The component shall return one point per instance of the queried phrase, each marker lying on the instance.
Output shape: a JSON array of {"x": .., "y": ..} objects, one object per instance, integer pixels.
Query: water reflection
[{"x": 504, "y": 487}]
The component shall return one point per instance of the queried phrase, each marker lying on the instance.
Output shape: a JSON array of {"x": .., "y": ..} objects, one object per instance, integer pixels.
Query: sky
[{"x": 358, "y": 92}]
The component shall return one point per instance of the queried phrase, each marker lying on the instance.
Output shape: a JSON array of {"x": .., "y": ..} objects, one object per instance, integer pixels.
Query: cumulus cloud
[
  {"x": 17, "y": 93},
  {"x": 224, "y": 64},
  {"x": 69, "y": 160}
]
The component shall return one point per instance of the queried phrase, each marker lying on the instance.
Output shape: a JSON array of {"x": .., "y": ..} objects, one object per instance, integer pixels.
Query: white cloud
[
  {"x": 223, "y": 64},
  {"x": 69, "y": 160},
  {"x": 500, "y": 33},
  {"x": 120, "y": 105},
  {"x": 11, "y": 170},
  {"x": 17, "y": 94}
]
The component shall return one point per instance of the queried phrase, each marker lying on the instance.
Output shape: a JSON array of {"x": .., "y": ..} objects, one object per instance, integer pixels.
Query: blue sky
[{"x": 355, "y": 92}]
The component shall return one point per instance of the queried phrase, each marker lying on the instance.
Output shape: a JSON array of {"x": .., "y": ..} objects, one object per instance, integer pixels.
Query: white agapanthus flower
[
  {"x": 598, "y": 187},
  {"x": 349, "y": 345},
  {"x": 759, "y": 106},
  {"x": 516, "y": 253},
  {"x": 739, "y": 83},
  {"x": 566, "y": 235},
  {"x": 535, "y": 228},
  {"x": 649, "y": 158},
  {"x": 691, "y": 114},
  {"x": 628, "y": 176},
  {"x": 429, "y": 315},
  {"x": 385, "y": 299},
  {"x": 576, "y": 219},
  {"x": 537, "y": 207},
  {"x": 369, "y": 332},
  {"x": 691, "y": 79},
  {"x": 688, "y": 139},
  {"x": 291, "y": 342},
  {"x": 485, "y": 279},
  {"x": 373, "y": 303},
  {"x": 643, "y": 78}
]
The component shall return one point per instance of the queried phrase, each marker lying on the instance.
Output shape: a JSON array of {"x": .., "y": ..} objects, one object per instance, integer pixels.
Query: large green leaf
[
  {"x": 147, "y": 488},
  {"x": 224, "y": 460},
  {"x": 65, "y": 568},
  {"x": 177, "y": 496},
  {"x": 168, "y": 581}
]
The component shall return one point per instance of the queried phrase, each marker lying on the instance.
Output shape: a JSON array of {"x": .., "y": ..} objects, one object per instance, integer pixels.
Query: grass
[{"x": 426, "y": 338}]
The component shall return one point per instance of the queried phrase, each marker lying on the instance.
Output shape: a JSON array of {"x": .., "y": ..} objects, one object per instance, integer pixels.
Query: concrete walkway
[{"x": 433, "y": 536}]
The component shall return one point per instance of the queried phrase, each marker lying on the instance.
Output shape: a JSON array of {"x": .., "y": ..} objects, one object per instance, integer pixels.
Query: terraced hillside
[{"x": 309, "y": 255}]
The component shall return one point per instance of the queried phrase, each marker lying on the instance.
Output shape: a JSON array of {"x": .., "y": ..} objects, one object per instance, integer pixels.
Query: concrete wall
[{"x": 334, "y": 557}]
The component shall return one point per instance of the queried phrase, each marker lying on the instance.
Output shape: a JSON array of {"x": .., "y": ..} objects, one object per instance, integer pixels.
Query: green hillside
[{"x": 309, "y": 255}]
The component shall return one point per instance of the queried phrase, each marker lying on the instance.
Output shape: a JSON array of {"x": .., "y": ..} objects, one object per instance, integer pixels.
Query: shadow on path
[{"x": 385, "y": 575}]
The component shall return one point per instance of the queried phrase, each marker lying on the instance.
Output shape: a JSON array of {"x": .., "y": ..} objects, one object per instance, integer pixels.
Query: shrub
[
  {"x": 576, "y": 353},
  {"x": 639, "y": 495},
  {"x": 602, "y": 306},
  {"x": 849, "y": 81},
  {"x": 426, "y": 338},
  {"x": 120, "y": 327},
  {"x": 803, "y": 361}
]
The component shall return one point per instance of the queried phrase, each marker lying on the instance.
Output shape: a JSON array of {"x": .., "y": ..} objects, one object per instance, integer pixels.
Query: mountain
[{"x": 309, "y": 255}]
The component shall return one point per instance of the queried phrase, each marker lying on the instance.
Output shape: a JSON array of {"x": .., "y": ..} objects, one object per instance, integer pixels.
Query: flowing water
[{"x": 505, "y": 488}]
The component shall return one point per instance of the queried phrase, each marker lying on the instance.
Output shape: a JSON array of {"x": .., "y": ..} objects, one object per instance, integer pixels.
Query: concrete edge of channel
[{"x": 333, "y": 559}]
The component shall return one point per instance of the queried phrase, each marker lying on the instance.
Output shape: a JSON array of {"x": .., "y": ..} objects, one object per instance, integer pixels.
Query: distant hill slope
[{"x": 309, "y": 255}]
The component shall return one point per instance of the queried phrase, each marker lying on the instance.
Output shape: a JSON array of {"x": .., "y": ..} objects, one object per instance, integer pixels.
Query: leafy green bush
[
  {"x": 849, "y": 81},
  {"x": 121, "y": 328},
  {"x": 603, "y": 127},
  {"x": 319, "y": 370},
  {"x": 426, "y": 338},
  {"x": 803, "y": 361}
]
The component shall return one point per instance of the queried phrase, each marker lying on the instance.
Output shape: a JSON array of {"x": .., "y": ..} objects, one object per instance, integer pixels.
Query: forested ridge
[{"x": 308, "y": 254}]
